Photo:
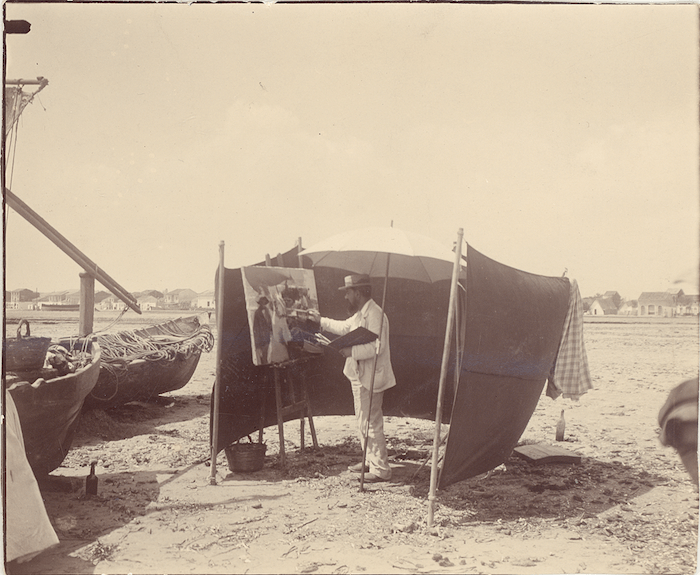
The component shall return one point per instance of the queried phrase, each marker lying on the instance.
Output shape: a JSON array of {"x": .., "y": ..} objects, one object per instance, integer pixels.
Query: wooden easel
[{"x": 291, "y": 382}]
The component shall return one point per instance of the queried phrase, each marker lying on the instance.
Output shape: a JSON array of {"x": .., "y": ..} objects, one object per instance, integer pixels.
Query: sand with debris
[{"x": 628, "y": 507}]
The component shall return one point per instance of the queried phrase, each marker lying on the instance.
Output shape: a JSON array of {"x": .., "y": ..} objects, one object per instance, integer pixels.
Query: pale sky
[{"x": 558, "y": 136}]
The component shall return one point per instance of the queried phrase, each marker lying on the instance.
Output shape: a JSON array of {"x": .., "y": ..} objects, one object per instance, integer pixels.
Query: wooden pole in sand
[
  {"x": 87, "y": 304},
  {"x": 300, "y": 263},
  {"x": 443, "y": 376},
  {"x": 219, "y": 359}
]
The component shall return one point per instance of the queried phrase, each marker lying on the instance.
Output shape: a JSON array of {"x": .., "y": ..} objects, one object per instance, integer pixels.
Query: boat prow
[{"x": 49, "y": 405}]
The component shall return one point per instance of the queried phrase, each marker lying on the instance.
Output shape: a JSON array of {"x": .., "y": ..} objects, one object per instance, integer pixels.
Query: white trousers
[{"x": 376, "y": 444}]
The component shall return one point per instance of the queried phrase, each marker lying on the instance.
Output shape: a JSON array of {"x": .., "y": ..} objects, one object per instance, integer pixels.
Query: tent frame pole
[
  {"x": 219, "y": 354},
  {"x": 443, "y": 376},
  {"x": 374, "y": 369}
]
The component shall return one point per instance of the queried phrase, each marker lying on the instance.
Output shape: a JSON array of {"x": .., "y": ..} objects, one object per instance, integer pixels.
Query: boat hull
[
  {"x": 141, "y": 381},
  {"x": 49, "y": 411},
  {"x": 144, "y": 379},
  {"x": 59, "y": 307}
]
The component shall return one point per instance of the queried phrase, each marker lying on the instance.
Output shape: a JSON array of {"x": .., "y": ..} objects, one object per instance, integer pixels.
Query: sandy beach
[{"x": 627, "y": 507}]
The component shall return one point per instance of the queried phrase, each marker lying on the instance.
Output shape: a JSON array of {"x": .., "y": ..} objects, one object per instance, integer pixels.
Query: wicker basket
[
  {"x": 26, "y": 352},
  {"x": 246, "y": 456}
]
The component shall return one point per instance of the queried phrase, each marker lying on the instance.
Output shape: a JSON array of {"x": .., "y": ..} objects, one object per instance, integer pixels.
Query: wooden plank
[{"x": 540, "y": 454}]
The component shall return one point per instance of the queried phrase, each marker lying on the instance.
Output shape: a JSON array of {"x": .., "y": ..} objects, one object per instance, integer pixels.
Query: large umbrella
[
  {"x": 390, "y": 252},
  {"x": 365, "y": 251}
]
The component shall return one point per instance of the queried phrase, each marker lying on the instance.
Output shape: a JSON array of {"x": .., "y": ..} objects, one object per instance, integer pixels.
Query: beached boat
[
  {"x": 49, "y": 400},
  {"x": 138, "y": 365},
  {"x": 59, "y": 306}
]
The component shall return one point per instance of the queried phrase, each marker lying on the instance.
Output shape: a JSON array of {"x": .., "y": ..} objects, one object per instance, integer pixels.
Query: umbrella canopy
[{"x": 365, "y": 251}]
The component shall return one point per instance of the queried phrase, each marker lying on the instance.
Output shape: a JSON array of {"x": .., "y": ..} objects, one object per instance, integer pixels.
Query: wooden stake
[
  {"x": 219, "y": 359},
  {"x": 443, "y": 376},
  {"x": 87, "y": 304}
]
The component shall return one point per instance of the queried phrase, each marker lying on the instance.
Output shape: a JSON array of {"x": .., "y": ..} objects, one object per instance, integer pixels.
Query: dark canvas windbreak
[
  {"x": 515, "y": 322},
  {"x": 514, "y": 325}
]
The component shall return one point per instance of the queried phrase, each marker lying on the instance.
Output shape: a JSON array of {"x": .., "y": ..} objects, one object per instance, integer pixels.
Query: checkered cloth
[{"x": 570, "y": 375}]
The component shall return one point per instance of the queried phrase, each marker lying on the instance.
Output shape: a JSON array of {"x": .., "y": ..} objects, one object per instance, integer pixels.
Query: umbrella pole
[
  {"x": 374, "y": 369},
  {"x": 443, "y": 376},
  {"x": 217, "y": 381}
]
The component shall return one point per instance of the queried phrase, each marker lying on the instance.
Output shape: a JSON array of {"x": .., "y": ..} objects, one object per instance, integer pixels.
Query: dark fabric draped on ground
[{"x": 513, "y": 329}]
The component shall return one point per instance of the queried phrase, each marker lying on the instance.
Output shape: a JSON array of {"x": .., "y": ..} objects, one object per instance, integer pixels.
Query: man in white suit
[{"x": 359, "y": 363}]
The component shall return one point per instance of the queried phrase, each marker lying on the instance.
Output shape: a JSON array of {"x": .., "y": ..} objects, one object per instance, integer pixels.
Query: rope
[
  {"x": 118, "y": 349},
  {"x": 11, "y": 151},
  {"x": 114, "y": 322},
  {"x": 12, "y": 132}
]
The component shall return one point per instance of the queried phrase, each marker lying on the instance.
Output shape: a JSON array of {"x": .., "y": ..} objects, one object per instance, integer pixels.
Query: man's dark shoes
[
  {"x": 357, "y": 468},
  {"x": 372, "y": 478}
]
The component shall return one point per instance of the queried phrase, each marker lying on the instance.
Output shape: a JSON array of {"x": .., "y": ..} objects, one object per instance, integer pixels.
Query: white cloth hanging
[{"x": 29, "y": 530}]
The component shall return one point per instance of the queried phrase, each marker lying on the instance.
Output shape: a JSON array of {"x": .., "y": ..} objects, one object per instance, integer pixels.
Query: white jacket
[{"x": 358, "y": 367}]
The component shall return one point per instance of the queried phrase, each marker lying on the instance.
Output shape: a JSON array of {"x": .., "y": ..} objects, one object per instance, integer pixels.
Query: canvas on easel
[{"x": 278, "y": 302}]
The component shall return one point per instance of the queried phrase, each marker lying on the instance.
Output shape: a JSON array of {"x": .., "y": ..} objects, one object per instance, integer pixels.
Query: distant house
[
  {"x": 659, "y": 304},
  {"x": 147, "y": 302},
  {"x": 688, "y": 305},
  {"x": 154, "y": 292},
  {"x": 72, "y": 298},
  {"x": 20, "y": 299},
  {"x": 100, "y": 296},
  {"x": 54, "y": 297},
  {"x": 23, "y": 295},
  {"x": 205, "y": 300},
  {"x": 603, "y": 306},
  {"x": 628, "y": 308},
  {"x": 111, "y": 303},
  {"x": 615, "y": 297},
  {"x": 177, "y": 299}
]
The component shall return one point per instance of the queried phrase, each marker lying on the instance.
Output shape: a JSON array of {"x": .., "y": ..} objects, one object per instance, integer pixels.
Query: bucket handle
[
  {"x": 250, "y": 441},
  {"x": 19, "y": 329}
]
